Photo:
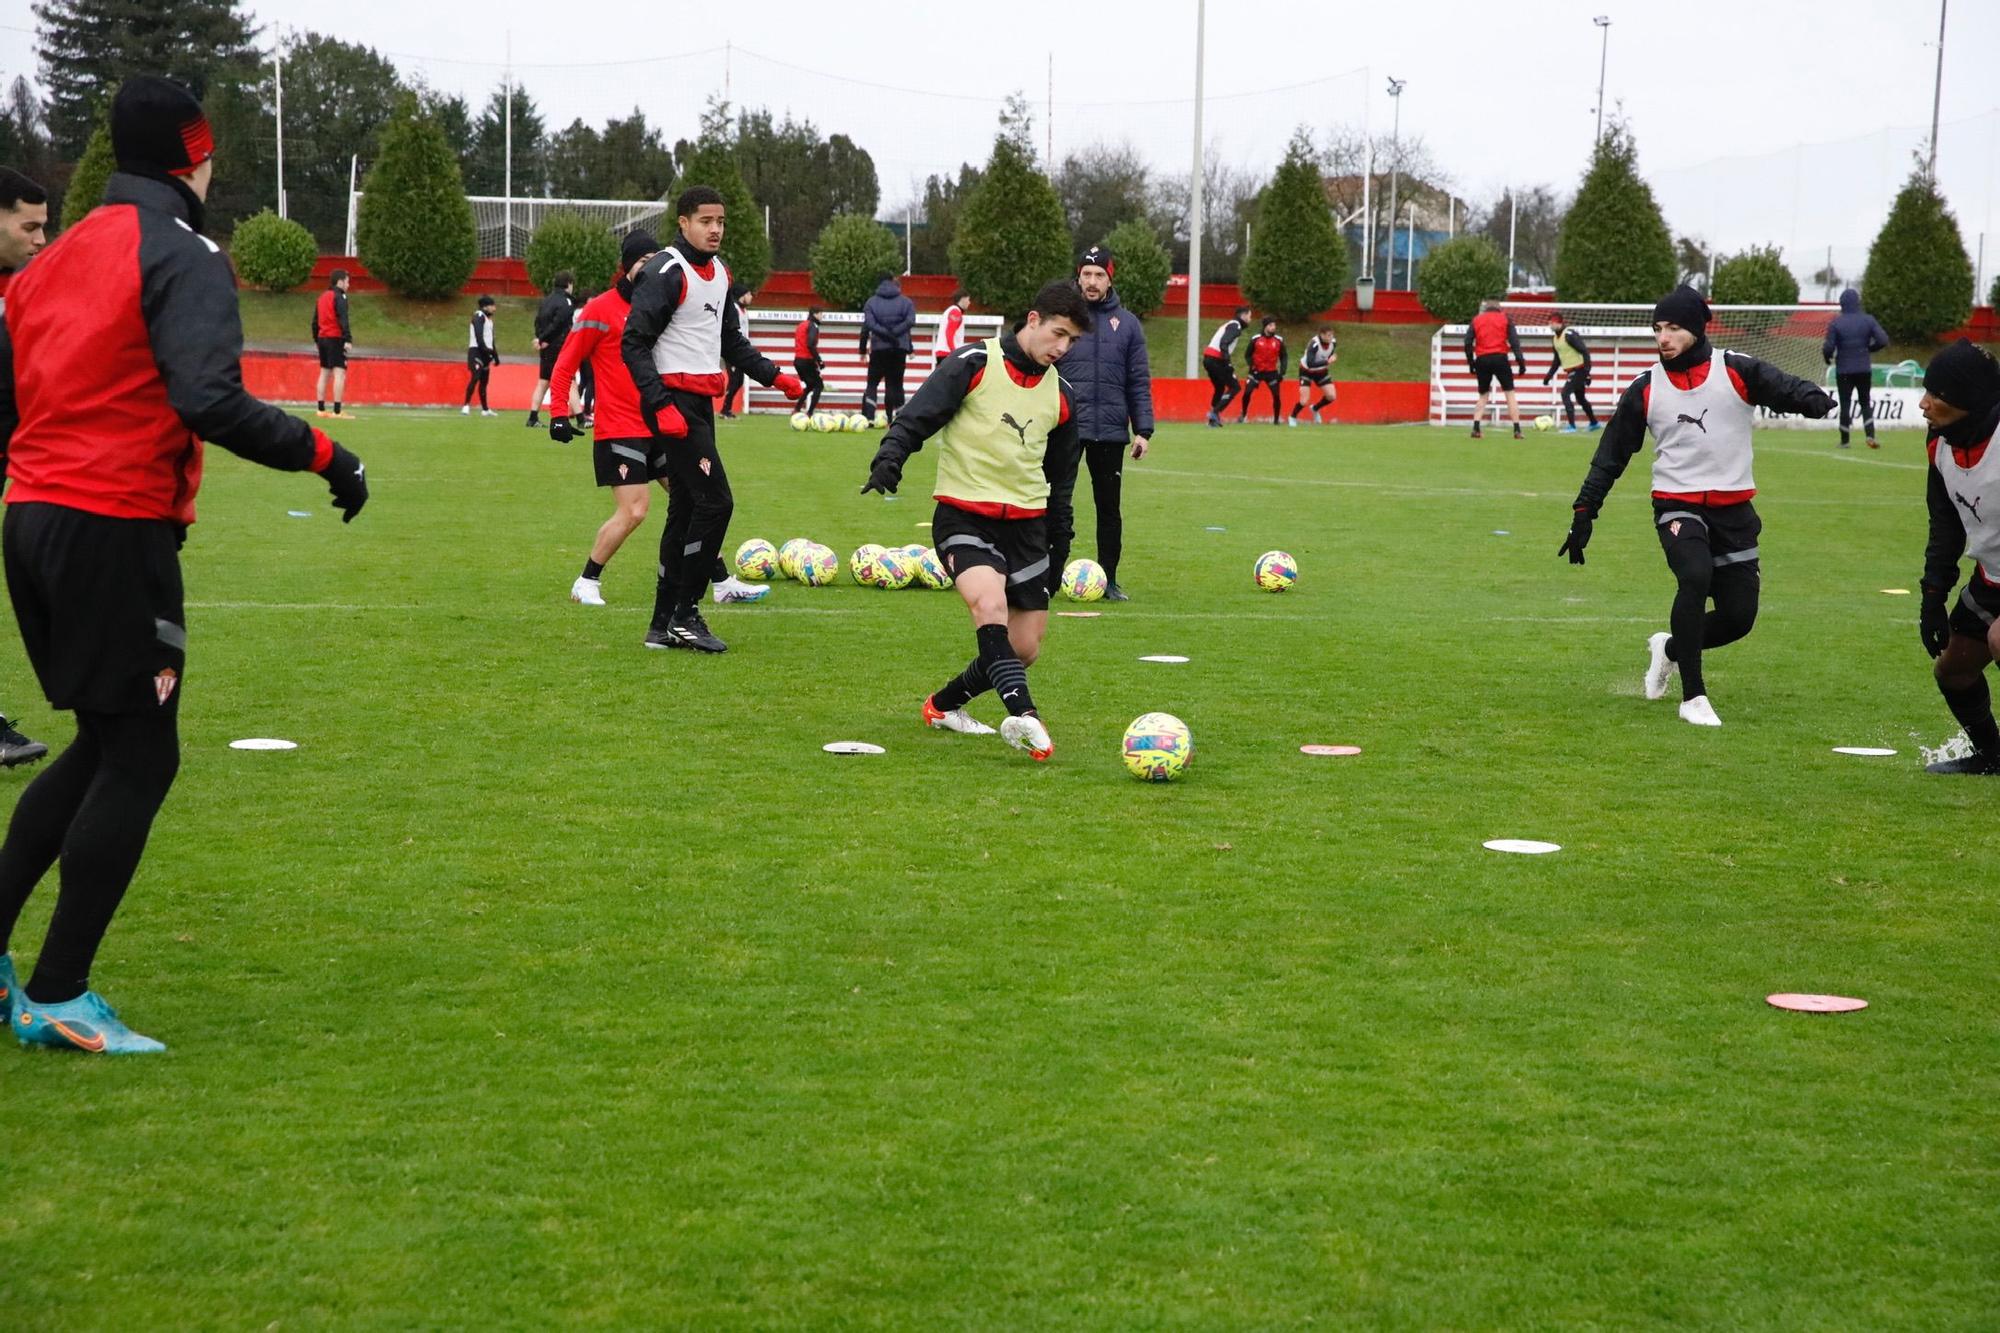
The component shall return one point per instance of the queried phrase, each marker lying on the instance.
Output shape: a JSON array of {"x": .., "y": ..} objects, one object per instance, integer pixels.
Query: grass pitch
[{"x": 555, "y": 981}]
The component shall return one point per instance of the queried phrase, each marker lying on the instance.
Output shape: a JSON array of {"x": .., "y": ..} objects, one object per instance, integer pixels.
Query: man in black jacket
[
  {"x": 552, "y": 322},
  {"x": 887, "y": 319},
  {"x": 1852, "y": 340}
]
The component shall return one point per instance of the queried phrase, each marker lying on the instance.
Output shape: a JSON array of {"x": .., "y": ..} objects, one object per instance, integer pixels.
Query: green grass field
[{"x": 552, "y": 981}]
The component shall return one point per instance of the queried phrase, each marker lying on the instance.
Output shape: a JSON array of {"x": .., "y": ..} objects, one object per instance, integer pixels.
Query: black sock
[
  {"x": 963, "y": 688},
  {"x": 593, "y": 570},
  {"x": 1973, "y": 707},
  {"x": 322, "y": 404},
  {"x": 1298, "y": 408},
  {"x": 336, "y": 409},
  {"x": 534, "y": 418},
  {"x": 1009, "y": 677}
]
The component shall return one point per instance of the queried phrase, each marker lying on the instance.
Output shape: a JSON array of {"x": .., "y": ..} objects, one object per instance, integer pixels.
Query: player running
[
  {"x": 333, "y": 337},
  {"x": 1217, "y": 360},
  {"x": 1316, "y": 374},
  {"x": 998, "y": 411},
  {"x": 806, "y": 360},
  {"x": 1961, "y": 403},
  {"x": 1267, "y": 359},
  {"x": 481, "y": 355},
  {"x": 1570, "y": 358},
  {"x": 1698, "y": 403},
  {"x": 680, "y": 330},
  {"x": 1488, "y": 340}
]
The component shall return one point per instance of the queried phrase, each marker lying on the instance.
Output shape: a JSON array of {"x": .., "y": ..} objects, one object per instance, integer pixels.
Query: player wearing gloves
[
  {"x": 1698, "y": 403},
  {"x": 680, "y": 331},
  {"x": 998, "y": 413},
  {"x": 118, "y": 358},
  {"x": 1570, "y": 358},
  {"x": 1267, "y": 360},
  {"x": 1962, "y": 404}
]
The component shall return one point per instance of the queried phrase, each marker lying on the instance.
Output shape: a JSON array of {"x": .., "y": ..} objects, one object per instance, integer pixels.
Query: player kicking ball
[
  {"x": 1698, "y": 403},
  {"x": 998, "y": 412}
]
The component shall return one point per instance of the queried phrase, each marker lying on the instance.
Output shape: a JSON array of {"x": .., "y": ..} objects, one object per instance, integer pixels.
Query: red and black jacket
[
  {"x": 1968, "y": 439},
  {"x": 120, "y": 353},
  {"x": 1267, "y": 355},
  {"x": 330, "y": 316},
  {"x": 595, "y": 337},
  {"x": 805, "y": 340}
]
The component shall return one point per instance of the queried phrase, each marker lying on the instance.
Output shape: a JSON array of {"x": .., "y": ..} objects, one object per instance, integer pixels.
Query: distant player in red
[
  {"x": 1489, "y": 340},
  {"x": 951, "y": 327},
  {"x": 1267, "y": 358},
  {"x": 806, "y": 360},
  {"x": 334, "y": 338},
  {"x": 1316, "y": 373}
]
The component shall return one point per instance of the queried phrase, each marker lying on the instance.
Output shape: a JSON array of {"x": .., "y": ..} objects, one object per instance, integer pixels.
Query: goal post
[{"x": 504, "y": 225}]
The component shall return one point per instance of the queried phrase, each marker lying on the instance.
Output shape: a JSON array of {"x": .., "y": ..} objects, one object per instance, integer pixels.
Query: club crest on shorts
[
  {"x": 704, "y": 467},
  {"x": 164, "y": 682},
  {"x": 624, "y": 470},
  {"x": 1674, "y": 528}
]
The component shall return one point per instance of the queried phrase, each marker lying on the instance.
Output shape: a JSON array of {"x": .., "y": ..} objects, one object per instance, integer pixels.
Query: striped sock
[
  {"x": 966, "y": 686},
  {"x": 1004, "y": 670}
]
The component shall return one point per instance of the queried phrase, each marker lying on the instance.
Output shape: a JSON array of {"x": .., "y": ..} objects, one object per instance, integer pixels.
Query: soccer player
[
  {"x": 24, "y": 220},
  {"x": 951, "y": 327},
  {"x": 553, "y": 318},
  {"x": 680, "y": 331},
  {"x": 1961, "y": 403},
  {"x": 997, "y": 411},
  {"x": 481, "y": 355},
  {"x": 742, "y": 298},
  {"x": 1217, "y": 360},
  {"x": 806, "y": 359},
  {"x": 1852, "y": 340},
  {"x": 1316, "y": 373},
  {"x": 1698, "y": 403},
  {"x": 1488, "y": 340},
  {"x": 1111, "y": 389},
  {"x": 333, "y": 337},
  {"x": 887, "y": 319},
  {"x": 119, "y": 356},
  {"x": 1266, "y": 358},
  {"x": 1570, "y": 359}
]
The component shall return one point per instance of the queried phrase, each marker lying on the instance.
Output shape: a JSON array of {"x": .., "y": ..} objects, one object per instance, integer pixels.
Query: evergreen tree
[
  {"x": 1758, "y": 276},
  {"x": 1458, "y": 275},
  {"x": 1615, "y": 245},
  {"x": 88, "y": 47},
  {"x": 563, "y": 240},
  {"x": 935, "y": 219},
  {"x": 806, "y": 180},
  {"x": 416, "y": 231},
  {"x": 1919, "y": 280},
  {"x": 1144, "y": 266},
  {"x": 86, "y": 183},
  {"x": 1298, "y": 263},
  {"x": 485, "y": 166},
  {"x": 272, "y": 252},
  {"x": 1010, "y": 238},
  {"x": 711, "y": 161},
  {"x": 851, "y": 255}
]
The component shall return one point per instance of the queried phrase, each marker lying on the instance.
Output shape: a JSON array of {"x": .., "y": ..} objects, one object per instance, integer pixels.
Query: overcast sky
[{"x": 1500, "y": 92}]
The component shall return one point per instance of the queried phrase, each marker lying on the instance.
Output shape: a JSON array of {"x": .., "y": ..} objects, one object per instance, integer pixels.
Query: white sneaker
[
  {"x": 958, "y": 720},
  {"x": 1028, "y": 733},
  {"x": 1700, "y": 712},
  {"x": 1292, "y": 422},
  {"x": 586, "y": 591},
  {"x": 487, "y": 412},
  {"x": 733, "y": 589},
  {"x": 465, "y": 411},
  {"x": 1659, "y": 668}
]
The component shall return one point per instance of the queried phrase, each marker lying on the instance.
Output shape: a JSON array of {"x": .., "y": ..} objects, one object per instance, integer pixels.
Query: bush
[
  {"x": 850, "y": 257},
  {"x": 1456, "y": 276},
  {"x": 85, "y": 190},
  {"x": 271, "y": 252},
  {"x": 1993, "y": 297},
  {"x": 415, "y": 231},
  {"x": 1298, "y": 263},
  {"x": 1758, "y": 276},
  {"x": 746, "y": 250},
  {"x": 1918, "y": 281},
  {"x": 1614, "y": 245},
  {"x": 1144, "y": 266},
  {"x": 1011, "y": 237},
  {"x": 564, "y": 240}
]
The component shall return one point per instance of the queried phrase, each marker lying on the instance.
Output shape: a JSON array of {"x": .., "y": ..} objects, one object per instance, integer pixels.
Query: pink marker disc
[
  {"x": 1815, "y": 1004},
  {"x": 1330, "y": 749}
]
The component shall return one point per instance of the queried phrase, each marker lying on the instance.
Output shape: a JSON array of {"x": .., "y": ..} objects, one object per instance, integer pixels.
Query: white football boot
[
  {"x": 1700, "y": 712},
  {"x": 958, "y": 720},
  {"x": 1659, "y": 667},
  {"x": 1028, "y": 733},
  {"x": 588, "y": 592},
  {"x": 733, "y": 589}
]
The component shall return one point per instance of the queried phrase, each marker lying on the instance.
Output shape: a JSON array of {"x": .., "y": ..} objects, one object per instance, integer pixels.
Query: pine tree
[
  {"x": 88, "y": 47},
  {"x": 1615, "y": 245},
  {"x": 86, "y": 184},
  {"x": 1298, "y": 264},
  {"x": 1010, "y": 238},
  {"x": 415, "y": 231},
  {"x": 1456, "y": 276},
  {"x": 711, "y": 161},
  {"x": 1144, "y": 266},
  {"x": 1919, "y": 280}
]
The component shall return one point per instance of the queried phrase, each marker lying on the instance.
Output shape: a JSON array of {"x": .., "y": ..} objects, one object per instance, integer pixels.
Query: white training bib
[
  {"x": 1215, "y": 339},
  {"x": 1975, "y": 494},
  {"x": 692, "y": 341},
  {"x": 1701, "y": 436}
]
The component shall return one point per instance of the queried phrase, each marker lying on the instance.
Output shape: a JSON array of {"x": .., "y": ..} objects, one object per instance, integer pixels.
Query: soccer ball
[
  {"x": 931, "y": 571},
  {"x": 857, "y": 422},
  {"x": 894, "y": 569},
  {"x": 1545, "y": 423},
  {"x": 1083, "y": 580},
  {"x": 1276, "y": 571},
  {"x": 1158, "y": 747},
  {"x": 822, "y": 423},
  {"x": 757, "y": 559},
  {"x": 800, "y": 421},
  {"x": 788, "y": 556},
  {"x": 915, "y": 550},
  {"x": 862, "y": 563},
  {"x": 818, "y": 565}
]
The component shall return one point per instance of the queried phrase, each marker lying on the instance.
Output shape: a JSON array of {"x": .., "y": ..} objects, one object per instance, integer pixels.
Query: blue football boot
[
  {"x": 86, "y": 1023},
  {"x": 10, "y": 988}
]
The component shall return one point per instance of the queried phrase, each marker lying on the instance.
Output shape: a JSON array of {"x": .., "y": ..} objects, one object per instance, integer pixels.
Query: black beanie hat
[
  {"x": 638, "y": 245},
  {"x": 1100, "y": 256},
  {"x": 1683, "y": 306},
  {"x": 1966, "y": 376},
  {"x": 157, "y": 128}
]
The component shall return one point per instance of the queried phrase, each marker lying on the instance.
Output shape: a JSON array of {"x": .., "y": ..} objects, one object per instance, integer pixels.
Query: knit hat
[
  {"x": 638, "y": 245},
  {"x": 1100, "y": 257},
  {"x": 1966, "y": 376},
  {"x": 157, "y": 128},
  {"x": 1685, "y": 307}
]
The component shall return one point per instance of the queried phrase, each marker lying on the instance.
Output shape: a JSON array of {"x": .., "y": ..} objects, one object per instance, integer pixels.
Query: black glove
[
  {"x": 560, "y": 430},
  {"x": 1934, "y": 622},
  {"x": 347, "y": 479},
  {"x": 1579, "y": 536},
  {"x": 885, "y": 474}
]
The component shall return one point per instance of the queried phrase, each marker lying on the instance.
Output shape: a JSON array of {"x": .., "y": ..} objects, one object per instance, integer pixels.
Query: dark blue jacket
[
  {"x": 1852, "y": 336},
  {"x": 1105, "y": 371},
  {"x": 887, "y": 318}
]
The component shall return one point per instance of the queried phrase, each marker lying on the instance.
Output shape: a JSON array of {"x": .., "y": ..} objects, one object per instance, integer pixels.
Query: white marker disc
[
  {"x": 1815, "y": 1004},
  {"x": 298, "y": 513},
  {"x": 1162, "y": 657},
  {"x": 1524, "y": 846},
  {"x": 1897, "y": 592},
  {"x": 852, "y": 747},
  {"x": 1872, "y": 751},
  {"x": 1330, "y": 750},
  {"x": 1081, "y": 615},
  {"x": 263, "y": 743}
]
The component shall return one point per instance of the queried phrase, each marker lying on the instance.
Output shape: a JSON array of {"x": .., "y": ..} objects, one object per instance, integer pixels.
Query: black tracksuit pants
[
  {"x": 699, "y": 506},
  {"x": 1850, "y": 383},
  {"x": 1222, "y": 375},
  {"x": 1106, "y": 460},
  {"x": 815, "y": 383},
  {"x": 885, "y": 368}
]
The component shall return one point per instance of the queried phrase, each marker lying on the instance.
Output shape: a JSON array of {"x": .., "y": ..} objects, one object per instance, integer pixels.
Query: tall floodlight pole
[
  {"x": 1396, "y": 86},
  {"x": 1603, "y": 23},
  {"x": 507, "y": 171},
  {"x": 278, "y": 76},
  {"x": 1194, "y": 203},
  {"x": 1937, "y": 94}
]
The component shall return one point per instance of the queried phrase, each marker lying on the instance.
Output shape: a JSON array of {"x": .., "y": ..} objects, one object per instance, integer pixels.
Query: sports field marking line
[
  {"x": 1854, "y": 460},
  {"x": 449, "y": 610}
]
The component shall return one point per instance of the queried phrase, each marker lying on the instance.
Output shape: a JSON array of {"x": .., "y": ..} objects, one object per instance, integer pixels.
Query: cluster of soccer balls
[
  {"x": 831, "y": 423},
  {"x": 815, "y": 564}
]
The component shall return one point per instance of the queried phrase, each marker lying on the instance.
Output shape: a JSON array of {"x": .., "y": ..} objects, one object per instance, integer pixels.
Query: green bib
[
  {"x": 991, "y": 450},
  {"x": 1567, "y": 355}
]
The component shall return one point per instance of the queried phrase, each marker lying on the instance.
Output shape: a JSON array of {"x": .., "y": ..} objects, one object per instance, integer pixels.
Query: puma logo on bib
[
  {"x": 1971, "y": 506},
  {"x": 1019, "y": 428},
  {"x": 1696, "y": 422}
]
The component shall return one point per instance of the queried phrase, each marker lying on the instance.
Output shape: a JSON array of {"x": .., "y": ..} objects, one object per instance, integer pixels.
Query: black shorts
[
  {"x": 549, "y": 355},
  {"x": 1731, "y": 530},
  {"x": 1318, "y": 378},
  {"x": 477, "y": 362},
  {"x": 99, "y": 604},
  {"x": 1975, "y": 609},
  {"x": 1270, "y": 377},
  {"x": 1494, "y": 366},
  {"x": 332, "y": 353},
  {"x": 630, "y": 462},
  {"x": 1017, "y": 547}
]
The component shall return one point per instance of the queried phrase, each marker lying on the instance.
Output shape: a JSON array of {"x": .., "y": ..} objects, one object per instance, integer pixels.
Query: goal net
[
  {"x": 1620, "y": 339},
  {"x": 505, "y": 225}
]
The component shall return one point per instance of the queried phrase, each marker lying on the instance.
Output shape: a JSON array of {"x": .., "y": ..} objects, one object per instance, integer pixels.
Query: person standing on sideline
[
  {"x": 1489, "y": 340},
  {"x": 1218, "y": 360},
  {"x": 1266, "y": 358},
  {"x": 1961, "y": 404},
  {"x": 1570, "y": 359},
  {"x": 1851, "y": 343},
  {"x": 24, "y": 229},
  {"x": 333, "y": 337},
  {"x": 887, "y": 319},
  {"x": 742, "y": 298},
  {"x": 680, "y": 331},
  {"x": 552, "y": 324},
  {"x": 1316, "y": 373},
  {"x": 120, "y": 354},
  {"x": 1698, "y": 403},
  {"x": 1111, "y": 391},
  {"x": 951, "y": 327},
  {"x": 806, "y": 360},
  {"x": 481, "y": 355}
]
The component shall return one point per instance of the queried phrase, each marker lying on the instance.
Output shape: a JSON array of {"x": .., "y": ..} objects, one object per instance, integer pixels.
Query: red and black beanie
[
  {"x": 157, "y": 128},
  {"x": 1098, "y": 256}
]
